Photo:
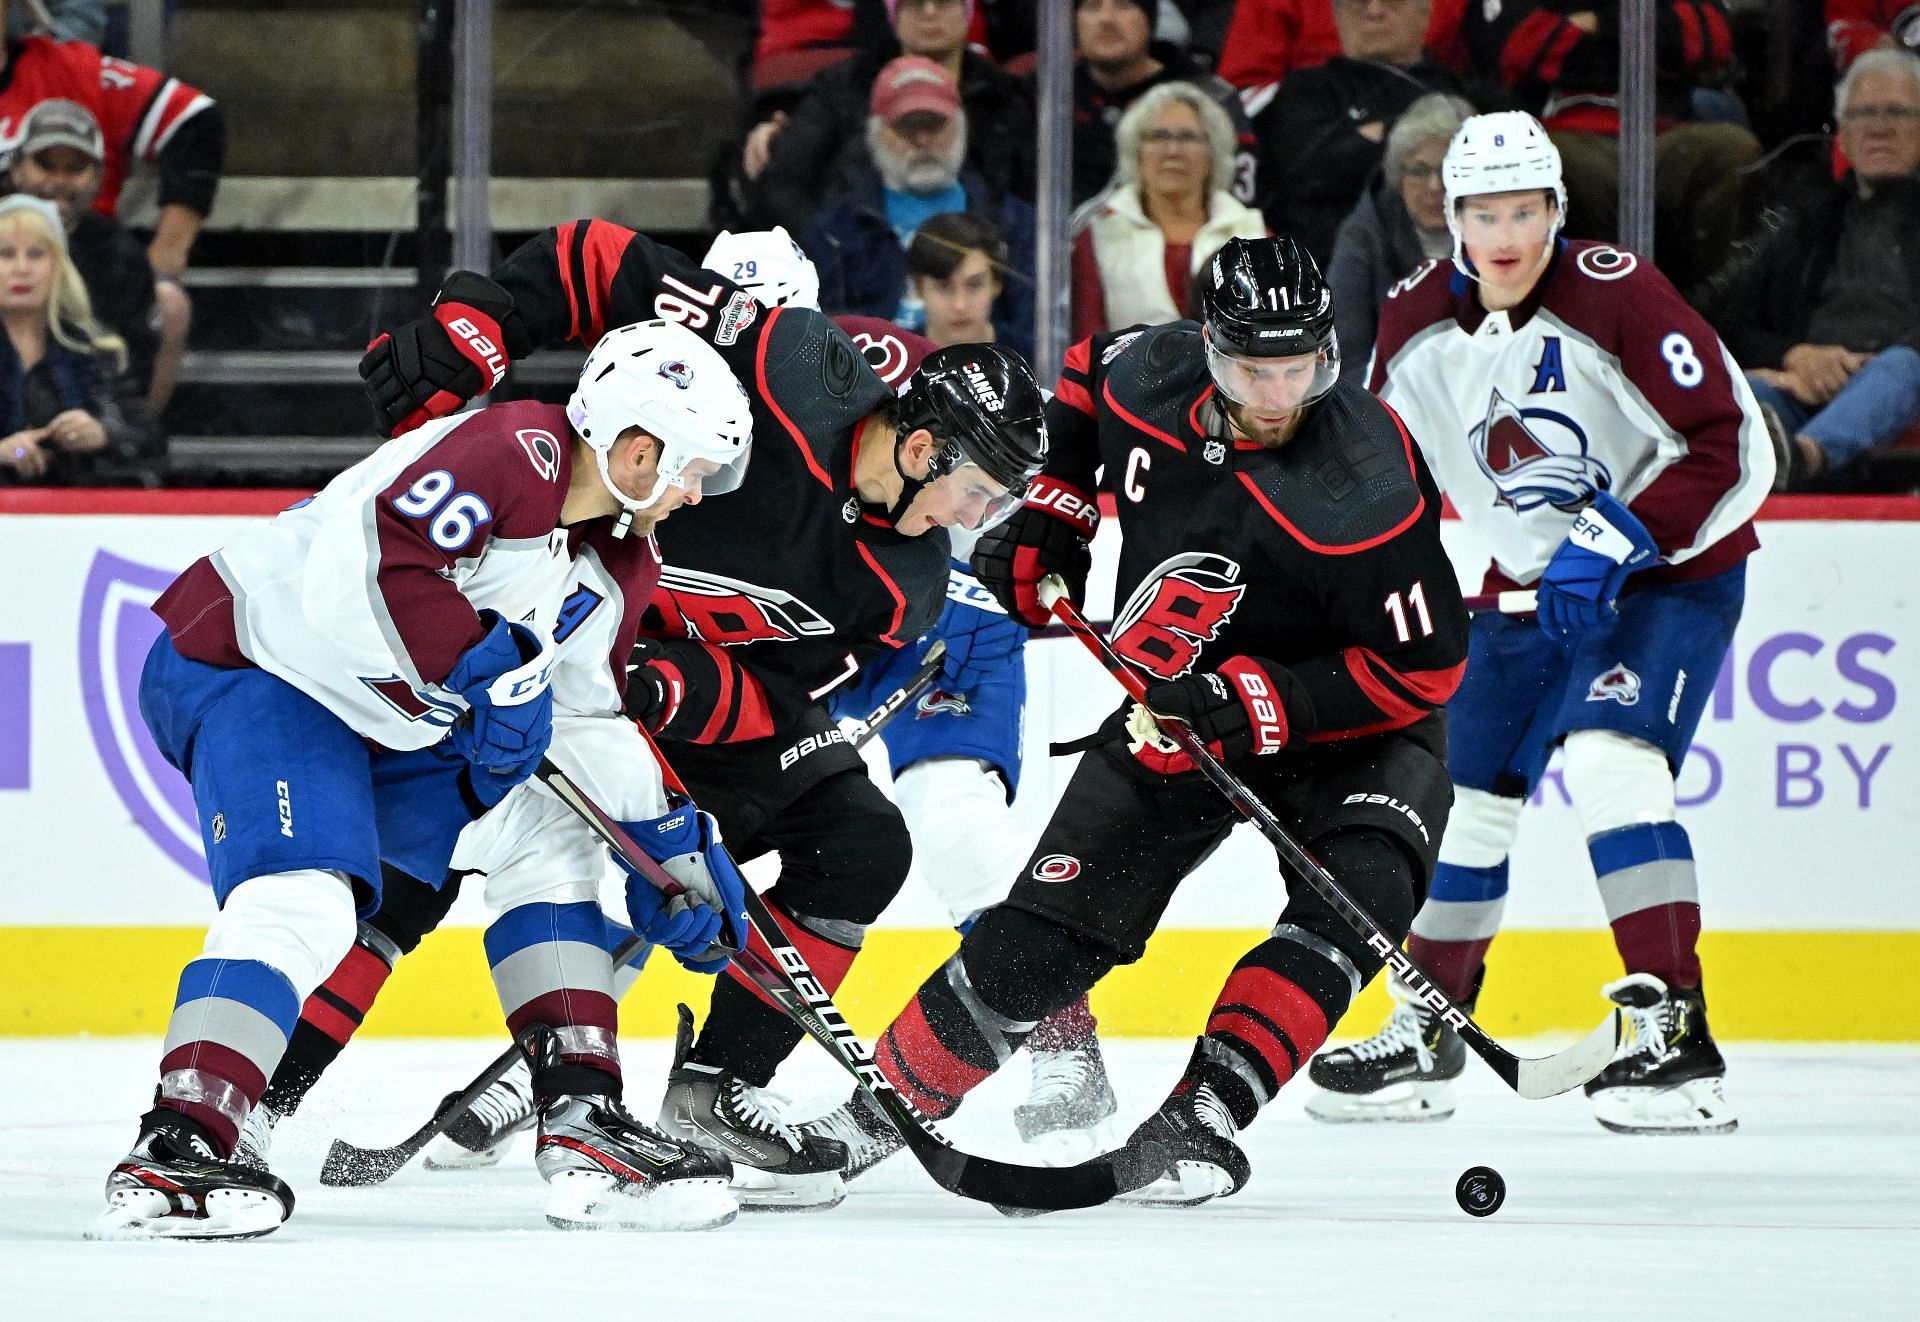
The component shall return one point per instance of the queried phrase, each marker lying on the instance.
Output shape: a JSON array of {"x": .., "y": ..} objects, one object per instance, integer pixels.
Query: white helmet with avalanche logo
[
  {"x": 1505, "y": 152},
  {"x": 767, "y": 264},
  {"x": 662, "y": 378}
]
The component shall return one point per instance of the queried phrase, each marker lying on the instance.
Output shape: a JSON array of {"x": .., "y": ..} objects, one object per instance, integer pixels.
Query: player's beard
[{"x": 1270, "y": 435}]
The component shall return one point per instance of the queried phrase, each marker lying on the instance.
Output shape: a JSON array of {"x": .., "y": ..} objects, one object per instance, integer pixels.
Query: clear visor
[
  {"x": 695, "y": 474},
  {"x": 978, "y": 501},
  {"x": 1273, "y": 386}
]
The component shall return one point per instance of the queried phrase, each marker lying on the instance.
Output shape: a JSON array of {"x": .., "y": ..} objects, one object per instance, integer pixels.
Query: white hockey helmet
[
  {"x": 661, "y": 377},
  {"x": 1504, "y": 152},
  {"x": 767, "y": 264}
]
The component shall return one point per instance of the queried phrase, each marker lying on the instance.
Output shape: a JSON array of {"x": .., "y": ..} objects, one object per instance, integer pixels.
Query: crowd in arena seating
[{"x": 895, "y": 139}]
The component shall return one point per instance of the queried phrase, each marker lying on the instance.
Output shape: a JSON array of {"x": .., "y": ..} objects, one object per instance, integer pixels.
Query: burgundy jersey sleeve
[
  {"x": 471, "y": 489},
  {"x": 1396, "y": 602},
  {"x": 1411, "y": 305},
  {"x": 895, "y": 354}
]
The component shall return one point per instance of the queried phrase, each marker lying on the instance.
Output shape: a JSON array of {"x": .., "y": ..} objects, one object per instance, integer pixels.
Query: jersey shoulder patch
[
  {"x": 814, "y": 380},
  {"x": 1348, "y": 481},
  {"x": 1152, "y": 373}
]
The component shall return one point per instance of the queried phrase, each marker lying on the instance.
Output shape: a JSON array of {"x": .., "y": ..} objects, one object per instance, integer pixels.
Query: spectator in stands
[
  {"x": 1855, "y": 27},
  {"x": 64, "y": 20},
  {"x": 916, "y": 135},
  {"x": 1400, "y": 222},
  {"x": 63, "y": 419},
  {"x": 1826, "y": 315},
  {"x": 957, "y": 264},
  {"x": 1119, "y": 61},
  {"x": 59, "y": 159},
  {"x": 794, "y": 165},
  {"x": 1136, "y": 248},
  {"x": 1324, "y": 132},
  {"x": 1269, "y": 39},
  {"x": 1563, "y": 58}
]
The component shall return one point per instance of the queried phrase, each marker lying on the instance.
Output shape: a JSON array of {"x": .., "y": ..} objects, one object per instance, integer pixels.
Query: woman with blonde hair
[
  {"x": 1137, "y": 246},
  {"x": 63, "y": 415}
]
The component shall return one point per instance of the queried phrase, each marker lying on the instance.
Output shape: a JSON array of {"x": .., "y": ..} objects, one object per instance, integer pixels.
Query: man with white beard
[{"x": 916, "y": 150}]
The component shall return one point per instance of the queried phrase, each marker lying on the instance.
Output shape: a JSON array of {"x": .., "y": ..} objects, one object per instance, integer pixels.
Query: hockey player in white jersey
[
  {"x": 1592, "y": 428},
  {"x": 358, "y": 680}
]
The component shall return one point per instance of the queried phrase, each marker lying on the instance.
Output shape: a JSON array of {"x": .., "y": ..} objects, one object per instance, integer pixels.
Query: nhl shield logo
[
  {"x": 1617, "y": 685},
  {"x": 1535, "y": 457},
  {"x": 851, "y": 510},
  {"x": 1214, "y": 452},
  {"x": 117, "y": 628}
]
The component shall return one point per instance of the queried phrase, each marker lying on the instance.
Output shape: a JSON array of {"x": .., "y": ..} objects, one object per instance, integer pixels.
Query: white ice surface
[{"x": 1811, "y": 1211}]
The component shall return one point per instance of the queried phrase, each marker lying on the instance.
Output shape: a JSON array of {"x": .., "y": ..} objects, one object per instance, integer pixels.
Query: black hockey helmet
[
  {"x": 982, "y": 405},
  {"x": 1265, "y": 298}
]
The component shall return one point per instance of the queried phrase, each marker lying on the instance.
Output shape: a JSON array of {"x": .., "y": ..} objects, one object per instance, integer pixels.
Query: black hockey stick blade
[{"x": 1533, "y": 1078}]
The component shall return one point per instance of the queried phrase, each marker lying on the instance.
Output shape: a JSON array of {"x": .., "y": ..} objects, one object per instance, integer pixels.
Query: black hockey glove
[
  {"x": 432, "y": 365},
  {"x": 1047, "y": 535},
  {"x": 1236, "y": 711},
  {"x": 653, "y": 693}
]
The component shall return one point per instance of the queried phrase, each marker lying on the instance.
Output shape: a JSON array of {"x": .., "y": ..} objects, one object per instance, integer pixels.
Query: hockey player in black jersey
[
  {"x": 1283, "y": 587},
  {"x": 835, "y": 554}
]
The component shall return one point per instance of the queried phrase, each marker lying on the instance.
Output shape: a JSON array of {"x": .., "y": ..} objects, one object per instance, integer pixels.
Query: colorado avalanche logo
[
  {"x": 678, "y": 372},
  {"x": 117, "y": 628},
  {"x": 936, "y": 702},
  {"x": 1179, "y": 607},
  {"x": 1536, "y": 457},
  {"x": 1616, "y": 685}
]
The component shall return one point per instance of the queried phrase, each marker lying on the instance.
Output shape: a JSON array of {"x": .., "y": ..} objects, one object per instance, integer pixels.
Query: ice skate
[
  {"x": 1668, "y": 1076},
  {"x": 173, "y": 1186},
  {"x": 776, "y": 1167},
  {"x": 1070, "y": 1091},
  {"x": 1195, "y": 1131},
  {"x": 1403, "y": 1072},
  {"x": 859, "y": 1126},
  {"x": 256, "y": 1137},
  {"x": 610, "y": 1172},
  {"x": 482, "y": 1136}
]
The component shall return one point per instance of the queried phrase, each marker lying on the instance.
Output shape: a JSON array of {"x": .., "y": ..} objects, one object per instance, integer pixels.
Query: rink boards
[{"x": 1800, "y": 798}]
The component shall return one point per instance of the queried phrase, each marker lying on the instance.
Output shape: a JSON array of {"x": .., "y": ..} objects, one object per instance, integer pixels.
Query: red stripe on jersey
[
  {"x": 1433, "y": 686},
  {"x": 1193, "y": 414},
  {"x": 1106, "y": 393},
  {"x": 1692, "y": 40},
  {"x": 766, "y": 395},
  {"x": 723, "y": 701},
  {"x": 606, "y": 245},
  {"x": 1536, "y": 48},
  {"x": 1322, "y": 548},
  {"x": 1074, "y": 396},
  {"x": 1719, "y": 37},
  {"x": 1072, "y": 391},
  {"x": 563, "y": 248},
  {"x": 891, "y": 636}
]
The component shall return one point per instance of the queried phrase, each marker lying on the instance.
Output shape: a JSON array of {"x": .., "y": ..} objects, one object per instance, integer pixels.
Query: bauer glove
[
  {"x": 432, "y": 365},
  {"x": 1047, "y": 535}
]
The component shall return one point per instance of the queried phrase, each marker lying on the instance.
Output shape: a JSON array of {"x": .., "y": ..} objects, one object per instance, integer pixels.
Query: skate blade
[
  {"x": 1698, "y": 1106},
  {"x": 1403, "y": 1103},
  {"x": 594, "y": 1200},
  {"x": 1190, "y": 1184},
  {"x": 443, "y": 1154},
  {"x": 760, "y": 1191},
  {"x": 1036, "y": 1124},
  {"x": 138, "y": 1214}
]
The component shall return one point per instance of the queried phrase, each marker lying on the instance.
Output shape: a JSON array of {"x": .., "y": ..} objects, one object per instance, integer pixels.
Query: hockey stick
[
  {"x": 1545, "y": 1076},
  {"x": 347, "y": 1165}
]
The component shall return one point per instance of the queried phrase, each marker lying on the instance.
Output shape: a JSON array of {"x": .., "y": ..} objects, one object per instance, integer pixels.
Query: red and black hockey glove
[
  {"x": 1047, "y": 535},
  {"x": 1236, "y": 711},
  {"x": 432, "y": 365}
]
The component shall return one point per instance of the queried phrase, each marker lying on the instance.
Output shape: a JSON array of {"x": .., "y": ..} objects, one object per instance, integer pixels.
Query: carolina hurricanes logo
[
  {"x": 1178, "y": 608},
  {"x": 1056, "y": 867},
  {"x": 725, "y": 611},
  {"x": 117, "y": 629},
  {"x": 935, "y": 702},
  {"x": 1535, "y": 457},
  {"x": 1616, "y": 685},
  {"x": 677, "y": 372}
]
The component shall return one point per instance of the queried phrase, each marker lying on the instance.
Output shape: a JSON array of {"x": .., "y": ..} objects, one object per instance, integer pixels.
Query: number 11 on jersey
[{"x": 1416, "y": 604}]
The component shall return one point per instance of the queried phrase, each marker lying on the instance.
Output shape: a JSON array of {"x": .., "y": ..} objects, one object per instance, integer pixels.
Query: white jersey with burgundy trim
[
  {"x": 364, "y": 596},
  {"x": 1603, "y": 378}
]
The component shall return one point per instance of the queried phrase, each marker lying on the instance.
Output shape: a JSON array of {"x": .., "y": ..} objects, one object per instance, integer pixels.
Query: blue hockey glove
[
  {"x": 503, "y": 677},
  {"x": 980, "y": 636},
  {"x": 1578, "y": 587},
  {"x": 686, "y": 842}
]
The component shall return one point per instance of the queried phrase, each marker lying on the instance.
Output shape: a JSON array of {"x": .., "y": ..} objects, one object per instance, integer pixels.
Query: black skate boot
[
  {"x": 1403, "y": 1072},
  {"x": 1193, "y": 1132},
  {"x": 172, "y": 1186},
  {"x": 859, "y": 1126},
  {"x": 1668, "y": 1077},
  {"x": 1070, "y": 1090},
  {"x": 482, "y": 1136},
  {"x": 776, "y": 1167}
]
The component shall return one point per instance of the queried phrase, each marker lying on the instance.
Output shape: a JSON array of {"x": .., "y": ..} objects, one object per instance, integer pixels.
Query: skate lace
[
  {"x": 505, "y": 1104},
  {"x": 841, "y": 1125},
  {"x": 1058, "y": 1075},
  {"x": 749, "y": 1109},
  {"x": 1649, "y": 1028},
  {"x": 1211, "y": 1112},
  {"x": 1402, "y": 1031}
]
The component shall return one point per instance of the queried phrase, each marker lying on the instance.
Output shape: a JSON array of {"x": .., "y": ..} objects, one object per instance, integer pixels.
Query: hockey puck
[{"x": 1480, "y": 1191}]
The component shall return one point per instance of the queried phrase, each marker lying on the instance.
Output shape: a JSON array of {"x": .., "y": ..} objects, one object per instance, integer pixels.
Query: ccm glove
[
  {"x": 434, "y": 364},
  {"x": 980, "y": 637},
  {"x": 1578, "y": 587},
  {"x": 1047, "y": 535},
  {"x": 509, "y": 723},
  {"x": 686, "y": 843}
]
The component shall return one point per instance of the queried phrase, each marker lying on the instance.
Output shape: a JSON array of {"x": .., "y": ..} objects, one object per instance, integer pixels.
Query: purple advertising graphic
[
  {"x": 117, "y": 627},
  {"x": 16, "y": 716}
]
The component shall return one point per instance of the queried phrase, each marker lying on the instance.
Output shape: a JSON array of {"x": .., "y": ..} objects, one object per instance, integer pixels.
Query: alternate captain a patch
[{"x": 1616, "y": 685}]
